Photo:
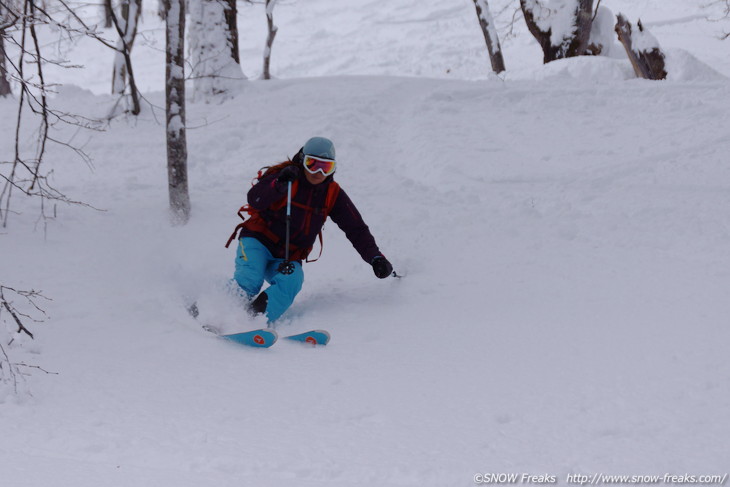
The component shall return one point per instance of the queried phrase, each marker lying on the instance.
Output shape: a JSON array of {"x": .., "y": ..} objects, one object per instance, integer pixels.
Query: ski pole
[{"x": 287, "y": 267}]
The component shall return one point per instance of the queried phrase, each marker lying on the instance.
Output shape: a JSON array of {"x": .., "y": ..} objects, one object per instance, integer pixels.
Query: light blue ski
[
  {"x": 266, "y": 337},
  {"x": 314, "y": 337},
  {"x": 262, "y": 338}
]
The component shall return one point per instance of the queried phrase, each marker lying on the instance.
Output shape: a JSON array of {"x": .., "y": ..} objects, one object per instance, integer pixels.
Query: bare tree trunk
[
  {"x": 270, "y": 39},
  {"x": 543, "y": 37},
  {"x": 490, "y": 35},
  {"x": 4, "y": 24},
  {"x": 648, "y": 60},
  {"x": 177, "y": 152},
  {"x": 537, "y": 18},
  {"x": 583, "y": 24},
  {"x": 126, "y": 27},
  {"x": 107, "y": 13},
  {"x": 4, "y": 83},
  {"x": 231, "y": 14}
]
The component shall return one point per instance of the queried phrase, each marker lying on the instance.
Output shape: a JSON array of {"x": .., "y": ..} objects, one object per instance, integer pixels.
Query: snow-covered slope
[{"x": 564, "y": 237}]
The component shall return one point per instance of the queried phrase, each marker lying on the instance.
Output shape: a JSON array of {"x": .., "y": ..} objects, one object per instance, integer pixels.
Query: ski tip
[
  {"x": 312, "y": 337},
  {"x": 325, "y": 333}
]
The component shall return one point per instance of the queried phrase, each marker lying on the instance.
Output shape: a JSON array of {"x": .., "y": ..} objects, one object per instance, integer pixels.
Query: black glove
[
  {"x": 289, "y": 174},
  {"x": 381, "y": 267}
]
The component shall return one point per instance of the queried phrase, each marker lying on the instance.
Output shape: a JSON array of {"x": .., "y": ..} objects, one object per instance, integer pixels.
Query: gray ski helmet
[{"x": 319, "y": 147}]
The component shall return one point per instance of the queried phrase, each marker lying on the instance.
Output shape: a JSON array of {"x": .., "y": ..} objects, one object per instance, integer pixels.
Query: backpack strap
[
  {"x": 238, "y": 228},
  {"x": 255, "y": 219},
  {"x": 333, "y": 191}
]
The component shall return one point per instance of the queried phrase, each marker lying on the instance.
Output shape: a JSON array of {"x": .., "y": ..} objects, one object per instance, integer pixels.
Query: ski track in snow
[{"x": 564, "y": 310}]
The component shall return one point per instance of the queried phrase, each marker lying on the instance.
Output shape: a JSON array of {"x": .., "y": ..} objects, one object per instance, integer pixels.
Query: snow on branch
[{"x": 562, "y": 28}]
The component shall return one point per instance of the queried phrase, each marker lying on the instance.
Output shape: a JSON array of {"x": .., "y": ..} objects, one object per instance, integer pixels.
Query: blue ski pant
[{"x": 254, "y": 265}]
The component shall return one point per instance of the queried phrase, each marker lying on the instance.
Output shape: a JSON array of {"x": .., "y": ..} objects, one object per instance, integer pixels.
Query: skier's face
[{"x": 315, "y": 178}]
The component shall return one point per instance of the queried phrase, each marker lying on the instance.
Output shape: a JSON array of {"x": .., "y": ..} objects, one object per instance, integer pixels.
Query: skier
[{"x": 314, "y": 196}]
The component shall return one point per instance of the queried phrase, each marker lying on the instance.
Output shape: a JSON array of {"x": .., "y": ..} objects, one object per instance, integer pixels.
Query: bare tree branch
[
  {"x": 30, "y": 298},
  {"x": 24, "y": 173},
  {"x": 10, "y": 371}
]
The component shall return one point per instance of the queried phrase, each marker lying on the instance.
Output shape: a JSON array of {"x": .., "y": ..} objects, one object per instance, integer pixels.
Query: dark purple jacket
[{"x": 306, "y": 224}]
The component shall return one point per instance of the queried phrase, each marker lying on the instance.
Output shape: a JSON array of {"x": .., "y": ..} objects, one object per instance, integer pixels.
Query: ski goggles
[{"x": 314, "y": 164}]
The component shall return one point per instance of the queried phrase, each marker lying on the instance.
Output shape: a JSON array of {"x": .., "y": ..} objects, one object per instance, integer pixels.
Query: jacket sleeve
[
  {"x": 346, "y": 216},
  {"x": 265, "y": 193}
]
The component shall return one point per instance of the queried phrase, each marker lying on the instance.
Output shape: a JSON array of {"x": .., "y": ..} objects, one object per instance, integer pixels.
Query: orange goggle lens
[{"x": 317, "y": 164}]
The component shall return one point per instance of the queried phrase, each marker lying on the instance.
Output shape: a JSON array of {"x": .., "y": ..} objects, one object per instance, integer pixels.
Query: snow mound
[
  {"x": 591, "y": 68},
  {"x": 683, "y": 66}
]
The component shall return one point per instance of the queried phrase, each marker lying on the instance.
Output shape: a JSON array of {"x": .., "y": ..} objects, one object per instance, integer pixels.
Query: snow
[
  {"x": 560, "y": 20},
  {"x": 643, "y": 40},
  {"x": 604, "y": 35},
  {"x": 563, "y": 230}
]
